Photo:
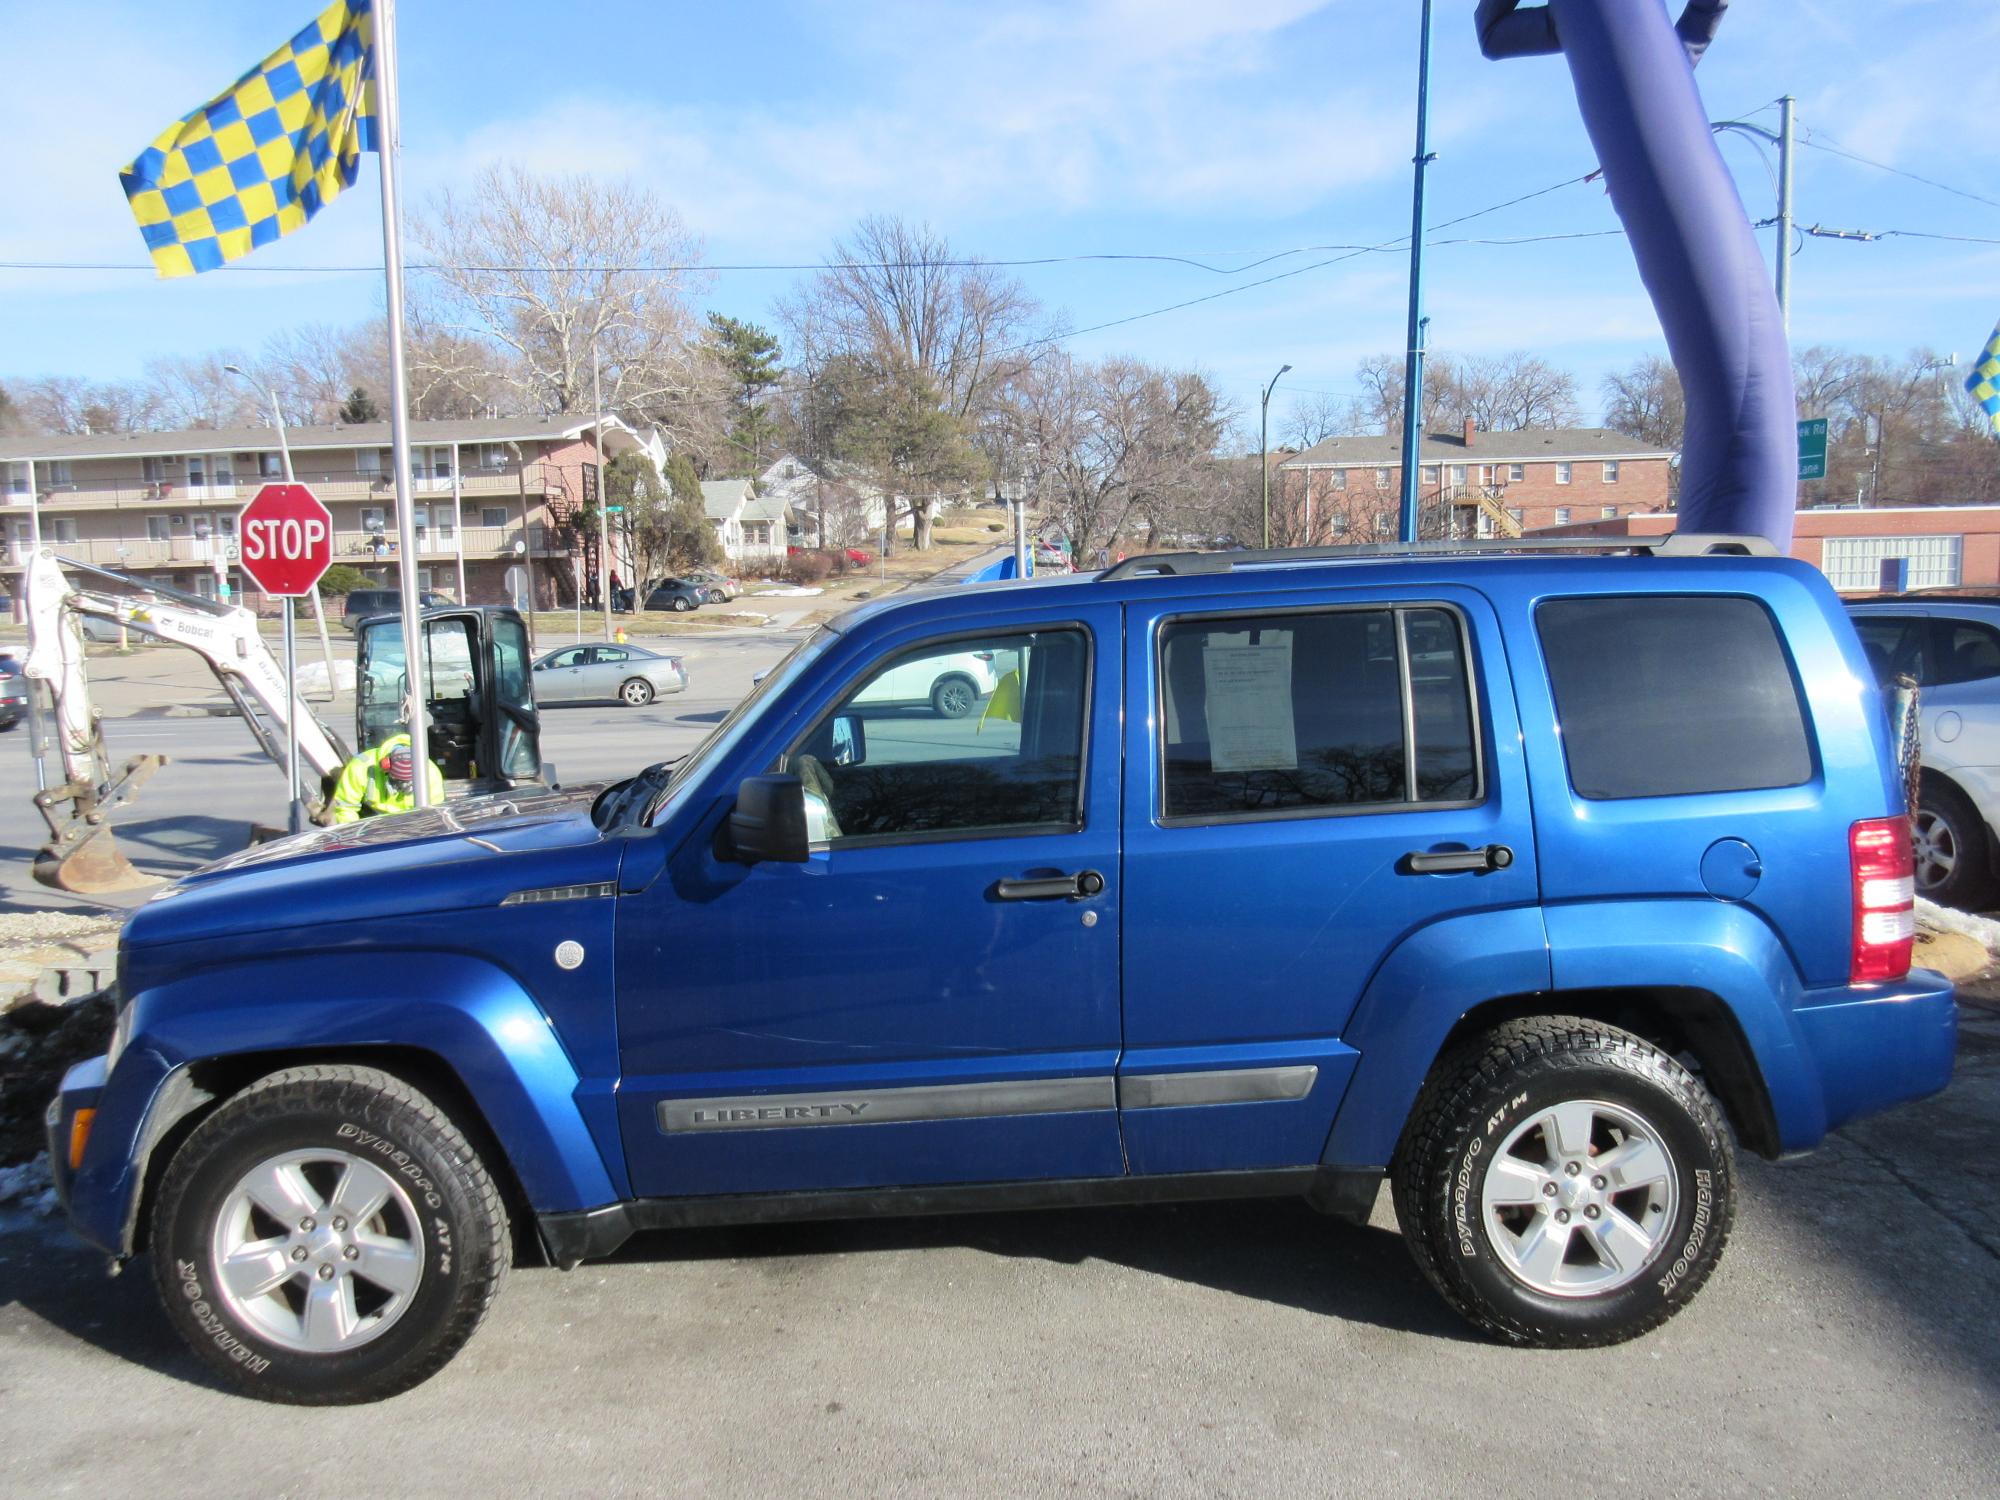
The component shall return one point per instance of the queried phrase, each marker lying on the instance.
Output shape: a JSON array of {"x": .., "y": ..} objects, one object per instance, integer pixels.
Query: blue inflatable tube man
[{"x": 1633, "y": 69}]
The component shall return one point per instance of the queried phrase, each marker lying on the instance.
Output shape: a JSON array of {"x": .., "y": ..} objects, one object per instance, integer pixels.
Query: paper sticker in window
[{"x": 1249, "y": 706}]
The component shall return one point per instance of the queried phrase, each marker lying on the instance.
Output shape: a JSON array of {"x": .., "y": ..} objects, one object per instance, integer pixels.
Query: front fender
[{"x": 471, "y": 1016}]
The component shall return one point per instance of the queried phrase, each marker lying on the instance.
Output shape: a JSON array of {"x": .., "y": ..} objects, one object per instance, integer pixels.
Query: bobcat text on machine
[
  {"x": 478, "y": 693},
  {"x": 1530, "y": 878}
]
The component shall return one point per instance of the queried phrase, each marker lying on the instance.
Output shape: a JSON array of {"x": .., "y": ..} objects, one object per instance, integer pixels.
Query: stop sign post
[{"x": 285, "y": 536}]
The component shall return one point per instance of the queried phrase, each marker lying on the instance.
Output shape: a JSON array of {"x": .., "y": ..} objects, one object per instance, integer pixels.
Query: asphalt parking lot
[{"x": 1845, "y": 1346}]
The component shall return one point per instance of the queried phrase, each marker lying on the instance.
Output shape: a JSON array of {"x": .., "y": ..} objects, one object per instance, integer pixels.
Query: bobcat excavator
[{"x": 477, "y": 696}]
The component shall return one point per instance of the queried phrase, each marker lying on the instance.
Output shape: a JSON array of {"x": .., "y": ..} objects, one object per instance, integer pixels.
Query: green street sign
[
  {"x": 1812, "y": 448},
  {"x": 619, "y": 510}
]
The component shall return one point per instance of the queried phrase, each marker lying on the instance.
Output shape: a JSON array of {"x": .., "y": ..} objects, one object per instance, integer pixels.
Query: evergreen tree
[
  {"x": 750, "y": 357},
  {"x": 359, "y": 407}
]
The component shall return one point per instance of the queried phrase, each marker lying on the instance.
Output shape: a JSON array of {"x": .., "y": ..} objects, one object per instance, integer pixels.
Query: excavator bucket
[
  {"x": 81, "y": 855},
  {"x": 93, "y": 865}
]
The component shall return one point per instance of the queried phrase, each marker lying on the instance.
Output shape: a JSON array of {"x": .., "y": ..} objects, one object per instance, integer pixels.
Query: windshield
[{"x": 730, "y": 729}]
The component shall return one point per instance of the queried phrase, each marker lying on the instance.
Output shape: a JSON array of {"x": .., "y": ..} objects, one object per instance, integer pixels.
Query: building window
[
  {"x": 156, "y": 529},
  {"x": 269, "y": 466},
  {"x": 1853, "y": 564},
  {"x": 1458, "y": 474},
  {"x": 1338, "y": 478},
  {"x": 149, "y": 469},
  {"x": 1516, "y": 473},
  {"x": 1562, "y": 473},
  {"x": 1429, "y": 473},
  {"x": 1381, "y": 479},
  {"x": 1385, "y": 523},
  {"x": 17, "y": 479},
  {"x": 373, "y": 517},
  {"x": 757, "y": 533},
  {"x": 57, "y": 470},
  {"x": 1562, "y": 515},
  {"x": 368, "y": 462},
  {"x": 1611, "y": 471},
  {"x": 1339, "y": 523},
  {"x": 492, "y": 515},
  {"x": 1517, "y": 513},
  {"x": 1607, "y": 511},
  {"x": 58, "y": 528}
]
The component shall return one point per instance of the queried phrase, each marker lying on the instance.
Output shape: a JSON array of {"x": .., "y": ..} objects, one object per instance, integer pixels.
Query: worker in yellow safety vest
[{"x": 379, "y": 781}]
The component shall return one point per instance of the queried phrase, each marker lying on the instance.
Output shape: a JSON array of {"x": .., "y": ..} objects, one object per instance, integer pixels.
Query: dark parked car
[
  {"x": 677, "y": 594},
  {"x": 13, "y": 691},
  {"x": 365, "y": 602}
]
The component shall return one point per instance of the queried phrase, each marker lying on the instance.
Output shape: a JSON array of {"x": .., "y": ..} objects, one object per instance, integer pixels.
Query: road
[
  {"x": 1844, "y": 1347},
  {"x": 217, "y": 783}
]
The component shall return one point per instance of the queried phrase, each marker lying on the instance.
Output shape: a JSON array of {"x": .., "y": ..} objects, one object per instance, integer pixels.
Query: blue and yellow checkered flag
[
  {"x": 262, "y": 157},
  {"x": 1984, "y": 381}
]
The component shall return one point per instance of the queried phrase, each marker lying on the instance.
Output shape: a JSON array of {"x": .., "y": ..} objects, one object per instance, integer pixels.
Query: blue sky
[{"x": 1218, "y": 131}]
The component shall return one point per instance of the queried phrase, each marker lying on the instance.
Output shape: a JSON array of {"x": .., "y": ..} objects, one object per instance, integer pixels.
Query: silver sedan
[{"x": 630, "y": 674}]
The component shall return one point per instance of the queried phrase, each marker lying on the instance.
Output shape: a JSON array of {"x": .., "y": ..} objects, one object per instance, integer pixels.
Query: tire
[
  {"x": 1949, "y": 843},
  {"x": 954, "y": 697},
  {"x": 681, "y": 604},
  {"x": 635, "y": 692},
  {"x": 299, "y": 1141},
  {"x": 1504, "y": 1261},
  {"x": 716, "y": 596}
]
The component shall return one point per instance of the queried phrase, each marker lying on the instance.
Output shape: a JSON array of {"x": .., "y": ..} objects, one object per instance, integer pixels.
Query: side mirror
[
  {"x": 770, "y": 820},
  {"x": 848, "y": 740}
]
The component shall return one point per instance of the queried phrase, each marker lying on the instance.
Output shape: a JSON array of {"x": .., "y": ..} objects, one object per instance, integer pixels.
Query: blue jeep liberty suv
[{"x": 1530, "y": 879}]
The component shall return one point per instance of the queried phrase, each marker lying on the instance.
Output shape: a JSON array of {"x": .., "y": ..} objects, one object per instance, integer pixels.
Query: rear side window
[
  {"x": 1967, "y": 651},
  {"x": 1661, "y": 696},
  {"x": 1333, "y": 710}
]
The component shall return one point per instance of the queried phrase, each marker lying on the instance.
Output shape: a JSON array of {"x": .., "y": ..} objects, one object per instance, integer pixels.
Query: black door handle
[
  {"x": 1492, "y": 857},
  {"x": 1049, "y": 887}
]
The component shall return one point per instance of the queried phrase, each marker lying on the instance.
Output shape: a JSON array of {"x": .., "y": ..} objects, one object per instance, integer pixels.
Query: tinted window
[
  {"x": 1277, "y": 714},
  {"x": 962, "y": 736},
  {"x": 1894, "y": 645},
  {"x": 1660, "y": 696},
  {"x": 1967, "y": 651}
]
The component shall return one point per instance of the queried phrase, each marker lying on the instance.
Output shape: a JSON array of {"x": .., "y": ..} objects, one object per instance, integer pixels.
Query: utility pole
[
  {"x": 603, "y": 494},
  {"x": 1786, "y": 107},
  {"x": 1782, "y": 138},
  {"x": 1413, "y": 363},
  {"x": 1264, "y": 453}
]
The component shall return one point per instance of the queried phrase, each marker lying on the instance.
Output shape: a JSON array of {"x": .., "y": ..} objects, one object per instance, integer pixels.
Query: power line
[{"x": 1835, "y": 149}]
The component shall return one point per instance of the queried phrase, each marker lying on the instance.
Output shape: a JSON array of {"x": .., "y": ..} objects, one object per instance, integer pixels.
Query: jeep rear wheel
[
  {"x": 327, "y": 1236},
  {"x": 1565, "y": 1184}
]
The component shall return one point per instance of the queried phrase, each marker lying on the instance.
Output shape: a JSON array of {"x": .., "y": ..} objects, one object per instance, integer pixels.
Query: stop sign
[{"x": 286, "y": 539}]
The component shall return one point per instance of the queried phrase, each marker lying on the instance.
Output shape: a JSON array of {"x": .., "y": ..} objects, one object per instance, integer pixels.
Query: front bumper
[{"x": 1872, "y": 1046}]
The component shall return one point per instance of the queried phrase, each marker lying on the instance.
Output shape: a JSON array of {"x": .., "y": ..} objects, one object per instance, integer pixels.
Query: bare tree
[
  {"x": 1645, "y": 401},
  {"x": 531, "y": 275},
  {"x": 1317, "y": 418},
  {"x": 1120, "y": 446},
  {"x": 895, "y": 324},
  {"x": 195, "y": 391}
]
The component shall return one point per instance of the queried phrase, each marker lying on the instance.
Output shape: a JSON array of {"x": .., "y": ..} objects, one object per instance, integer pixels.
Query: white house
[
  {"x": 752, "y": 528},
  {"x": 835, "y": 506}
]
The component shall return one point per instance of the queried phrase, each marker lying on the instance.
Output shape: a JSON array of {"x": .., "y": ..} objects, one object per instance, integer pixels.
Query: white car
[
  {"x": 1951, "y": 644},
  {"x": 952, "y": 685}
]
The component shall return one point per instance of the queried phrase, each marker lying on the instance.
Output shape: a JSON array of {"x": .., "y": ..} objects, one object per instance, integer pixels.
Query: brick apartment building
[
  {"x": 1471, "y": 483},
  {"x": 1947, "y": 546},
  {"x": 492, "y": 504}
]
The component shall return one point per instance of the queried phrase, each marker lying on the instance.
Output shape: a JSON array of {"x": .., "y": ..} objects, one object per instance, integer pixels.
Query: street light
[
  {"x": 1264, "y": 451},
  {"x": 1782, "y": 139}
]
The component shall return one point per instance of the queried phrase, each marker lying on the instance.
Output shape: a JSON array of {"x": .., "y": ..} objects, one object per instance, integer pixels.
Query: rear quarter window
[{"x": 1665, "y": 695}]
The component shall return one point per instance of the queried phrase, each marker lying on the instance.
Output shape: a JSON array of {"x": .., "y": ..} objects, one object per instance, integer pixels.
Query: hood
[{"x": 473, "y": 853}]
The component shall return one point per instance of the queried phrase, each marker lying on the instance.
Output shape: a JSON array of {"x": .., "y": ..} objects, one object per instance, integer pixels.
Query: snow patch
[
  {"x": 29, "y": 1185},
  {"x": 796, "y": 591},
  {"x": 312, "y": 676}
]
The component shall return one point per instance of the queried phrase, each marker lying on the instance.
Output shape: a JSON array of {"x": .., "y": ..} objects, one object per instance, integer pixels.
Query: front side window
[
  {"x": 975, "y": 735},
  {"x": 1289, "y": 714},
  {"x": 1967, "y": 651},
  {"x": 1665, "y": 695},
  {"x": 1896, "y": 645}
]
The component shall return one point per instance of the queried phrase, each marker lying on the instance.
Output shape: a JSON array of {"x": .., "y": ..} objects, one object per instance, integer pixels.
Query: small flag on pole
[
  {"x": 1984, "y": 381},
  {"x": 265, "y": 155}
]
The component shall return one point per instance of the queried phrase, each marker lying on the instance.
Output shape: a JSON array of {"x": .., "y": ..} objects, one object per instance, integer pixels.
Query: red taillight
[
  {"x": 1885, "y": 891},
  {"x": 982, "y": 656}
]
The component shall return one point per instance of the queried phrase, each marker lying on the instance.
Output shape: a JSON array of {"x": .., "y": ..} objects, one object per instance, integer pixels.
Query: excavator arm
[{"x": 81, "y": 855}]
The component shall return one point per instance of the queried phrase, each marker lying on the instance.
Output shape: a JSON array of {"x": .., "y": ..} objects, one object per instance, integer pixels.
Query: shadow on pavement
[
  {"x": 1275, "y": 1250},
  {"x": 65, "y": 1287},
  {"x": 185, "y": 842}
]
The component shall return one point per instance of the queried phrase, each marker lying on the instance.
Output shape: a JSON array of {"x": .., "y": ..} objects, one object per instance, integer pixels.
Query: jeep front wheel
[
  {"x": 327, "y": 1236},
  {"x": 1564, "y": 1183}
]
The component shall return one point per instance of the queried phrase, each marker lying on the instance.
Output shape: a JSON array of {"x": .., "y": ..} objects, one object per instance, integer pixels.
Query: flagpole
[{"x": 415, "y": 652}]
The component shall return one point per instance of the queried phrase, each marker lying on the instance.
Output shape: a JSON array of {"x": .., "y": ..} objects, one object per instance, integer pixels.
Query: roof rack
[{"x": 1675, "y": 544}]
